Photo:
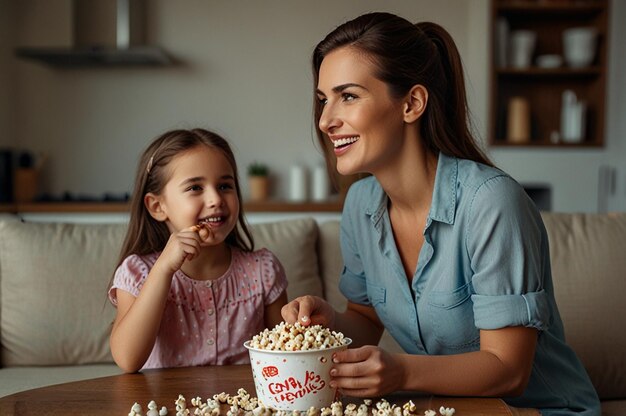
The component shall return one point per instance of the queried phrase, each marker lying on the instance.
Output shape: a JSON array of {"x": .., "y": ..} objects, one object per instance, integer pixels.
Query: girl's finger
[{"x": 205, "y": 234}]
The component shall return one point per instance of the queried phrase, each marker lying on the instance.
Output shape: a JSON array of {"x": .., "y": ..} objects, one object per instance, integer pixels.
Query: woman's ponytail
[{"x": 448, "y": 124}]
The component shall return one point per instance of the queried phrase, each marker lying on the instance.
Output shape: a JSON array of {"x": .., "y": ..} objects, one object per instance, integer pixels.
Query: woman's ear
[
  {"x": 415, "y": 104},
  {"x": 153, "y": 204}
]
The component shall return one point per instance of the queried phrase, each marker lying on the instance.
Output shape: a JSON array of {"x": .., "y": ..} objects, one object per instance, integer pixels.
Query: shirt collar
[{"x": 443, "y": 205}]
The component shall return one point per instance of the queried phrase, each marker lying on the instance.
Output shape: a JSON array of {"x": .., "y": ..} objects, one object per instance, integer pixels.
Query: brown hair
[
  {"x": 145, "y": 234},
  {"x": 406, "y": 55}
]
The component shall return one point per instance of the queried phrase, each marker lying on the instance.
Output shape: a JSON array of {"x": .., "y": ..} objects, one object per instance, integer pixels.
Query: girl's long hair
[
  {"x": 146, "y": 235},
  {"x": 405, "y": 55}
]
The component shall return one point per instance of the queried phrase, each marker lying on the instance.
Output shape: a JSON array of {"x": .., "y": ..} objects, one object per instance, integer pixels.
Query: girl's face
[
  {"x": 359, "y": 116},
  {"x": 201, "y": 188}
]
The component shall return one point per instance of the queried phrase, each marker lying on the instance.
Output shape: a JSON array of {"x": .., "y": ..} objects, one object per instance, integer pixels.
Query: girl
[
  {"x": 439, "y": 247},
  {"x": 188, "y": 288}
]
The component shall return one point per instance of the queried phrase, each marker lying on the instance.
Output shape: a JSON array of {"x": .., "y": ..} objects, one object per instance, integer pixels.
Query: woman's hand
[
  {"x": 309, "y": 310},
  {"x": 367, "y": 371}
]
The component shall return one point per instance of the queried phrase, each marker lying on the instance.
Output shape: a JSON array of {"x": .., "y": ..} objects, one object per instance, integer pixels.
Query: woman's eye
[
  {"x": 347, "y": 96},
  {"x": 322, "y": 100}
]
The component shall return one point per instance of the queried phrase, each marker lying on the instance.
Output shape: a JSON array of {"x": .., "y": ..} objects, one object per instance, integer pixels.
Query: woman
[{"x": 440, "y": 248}]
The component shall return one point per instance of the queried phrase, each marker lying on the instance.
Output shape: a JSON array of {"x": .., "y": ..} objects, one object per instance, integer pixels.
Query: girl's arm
[{"x": 138, "y": 319}]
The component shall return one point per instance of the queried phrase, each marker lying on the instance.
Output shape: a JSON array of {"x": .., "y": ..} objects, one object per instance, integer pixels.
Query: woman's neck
[
  {"x": 212, "y": 262},
  {"x": 409, "y": 180}
]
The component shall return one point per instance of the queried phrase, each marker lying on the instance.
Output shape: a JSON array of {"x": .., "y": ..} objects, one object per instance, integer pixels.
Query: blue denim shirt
[{"x": 484, "y": 264}]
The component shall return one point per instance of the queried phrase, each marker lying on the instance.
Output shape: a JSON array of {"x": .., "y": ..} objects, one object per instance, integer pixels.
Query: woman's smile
[{"x": 342, "y": 144}]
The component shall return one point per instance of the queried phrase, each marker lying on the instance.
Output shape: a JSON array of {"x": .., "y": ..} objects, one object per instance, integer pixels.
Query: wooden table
[{"x": 115, "y": 395}]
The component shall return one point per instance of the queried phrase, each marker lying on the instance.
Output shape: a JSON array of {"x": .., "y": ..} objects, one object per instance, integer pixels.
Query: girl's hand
[
  {"x": 181, "y": 246},
  {"x": 309, "y": 310},
  {"x": 206, "y": 236},
  {"x": 367, "y": 372}
]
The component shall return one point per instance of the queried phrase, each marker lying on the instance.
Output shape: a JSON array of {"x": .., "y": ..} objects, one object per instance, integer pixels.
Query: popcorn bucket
[{"x": 293, "y": 380}]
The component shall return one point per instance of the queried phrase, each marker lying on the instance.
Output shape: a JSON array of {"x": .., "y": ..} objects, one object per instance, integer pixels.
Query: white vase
[{"x": 297, "y": 184}]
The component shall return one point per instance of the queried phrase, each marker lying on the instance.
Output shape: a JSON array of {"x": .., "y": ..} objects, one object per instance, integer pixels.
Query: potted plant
[{"x": 258, "y": 181}]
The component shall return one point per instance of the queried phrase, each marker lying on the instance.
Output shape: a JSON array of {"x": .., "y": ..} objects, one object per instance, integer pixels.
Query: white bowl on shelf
[{"x": 549, "y": 61}]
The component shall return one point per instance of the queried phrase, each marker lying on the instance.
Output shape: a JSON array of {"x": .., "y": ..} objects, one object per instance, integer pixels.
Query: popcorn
[
  {"x": 288, "y": 337},
  {"x": 242, "y": 404},
  {"x": 446, "y": 411}
]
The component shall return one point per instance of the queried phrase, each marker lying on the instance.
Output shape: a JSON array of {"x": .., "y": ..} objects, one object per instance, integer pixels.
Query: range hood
[{"x": 123, "y": 47}]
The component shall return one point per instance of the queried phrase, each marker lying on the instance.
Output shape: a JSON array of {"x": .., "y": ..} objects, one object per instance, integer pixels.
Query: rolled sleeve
[
  {"x": 529, "y": 310},
  {"x": 508, "y": 253}
]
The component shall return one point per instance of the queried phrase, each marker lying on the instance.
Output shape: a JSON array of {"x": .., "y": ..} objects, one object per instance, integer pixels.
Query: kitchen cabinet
[{"x": 540, "y": 86}]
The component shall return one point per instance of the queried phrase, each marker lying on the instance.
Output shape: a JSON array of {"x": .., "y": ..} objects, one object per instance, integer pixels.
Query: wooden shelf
[
  {"x": 542, "y": 88},
  {"x": 549, "y": 72},
  {"x": 115, "y": 207}
]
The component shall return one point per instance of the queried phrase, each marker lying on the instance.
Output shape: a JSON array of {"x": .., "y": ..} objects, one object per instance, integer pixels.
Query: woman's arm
[
  {"x": 358, "y": 322},
  {"x": 501, "y": 368}
]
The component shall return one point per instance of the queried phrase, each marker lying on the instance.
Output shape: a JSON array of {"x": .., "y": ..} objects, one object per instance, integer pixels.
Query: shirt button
[
  {"x": 210, "y": 312},
  {"x": 209, "y": 283},
  {"x": 210, "y": 341}
]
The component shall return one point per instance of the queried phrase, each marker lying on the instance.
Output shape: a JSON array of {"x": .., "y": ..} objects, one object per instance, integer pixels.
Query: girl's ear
[
  {"x": 415, "y": 104},
  {"x": 152, "y": 203}
]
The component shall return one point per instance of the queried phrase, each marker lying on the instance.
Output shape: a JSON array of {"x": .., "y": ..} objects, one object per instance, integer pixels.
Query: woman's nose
[{"x": 328, "y": 119}]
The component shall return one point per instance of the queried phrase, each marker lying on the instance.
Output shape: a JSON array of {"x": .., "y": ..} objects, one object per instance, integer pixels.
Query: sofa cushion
[
  {"x": 54, "y": 277},
  {"x": 294, "y": 243},
  {"x": 53, "y": 282},
  {"x": 588, "y": 256}
]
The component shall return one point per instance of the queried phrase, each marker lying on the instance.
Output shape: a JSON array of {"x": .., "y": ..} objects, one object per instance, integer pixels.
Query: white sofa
[{"x": 55, "y": 318}]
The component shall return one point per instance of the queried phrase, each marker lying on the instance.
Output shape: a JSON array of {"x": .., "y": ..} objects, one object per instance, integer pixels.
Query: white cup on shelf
[
  {"x": 522, "y": 47},
  {"x": 579, "y": 46}
]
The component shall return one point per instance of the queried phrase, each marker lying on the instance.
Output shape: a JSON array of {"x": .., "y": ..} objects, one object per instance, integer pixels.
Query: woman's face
[{"x": 359, "y": 116}]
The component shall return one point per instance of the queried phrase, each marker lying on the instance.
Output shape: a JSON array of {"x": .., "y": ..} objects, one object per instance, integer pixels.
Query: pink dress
[{"x": 206, "y": 322}]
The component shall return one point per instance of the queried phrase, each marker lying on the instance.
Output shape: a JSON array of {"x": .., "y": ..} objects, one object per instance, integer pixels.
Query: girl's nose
[{"x": 213, "y": 198}]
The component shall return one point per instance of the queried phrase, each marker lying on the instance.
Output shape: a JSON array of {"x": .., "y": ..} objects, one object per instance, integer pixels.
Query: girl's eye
[
  {"x": 194, "y": 188},
  {"x": 226, "y": 186}
]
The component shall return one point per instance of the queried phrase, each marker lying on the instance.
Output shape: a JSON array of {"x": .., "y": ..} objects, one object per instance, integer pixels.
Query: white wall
[{"x": 245, "y": 73}]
